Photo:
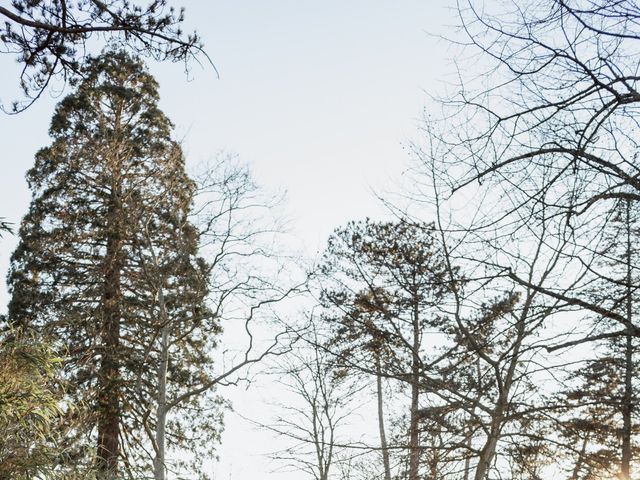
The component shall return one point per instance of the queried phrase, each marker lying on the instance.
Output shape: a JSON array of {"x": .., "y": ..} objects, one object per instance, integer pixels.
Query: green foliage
[
  {"x": 384, "y": 284},
  {"x": 107, "y": 232},
  {"x": 377, "y": 276},
  {"x": 29, "y": 408}
]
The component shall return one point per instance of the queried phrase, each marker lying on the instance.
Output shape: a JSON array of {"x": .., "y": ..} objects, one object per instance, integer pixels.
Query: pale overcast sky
[{"x": 318, "y": 97}]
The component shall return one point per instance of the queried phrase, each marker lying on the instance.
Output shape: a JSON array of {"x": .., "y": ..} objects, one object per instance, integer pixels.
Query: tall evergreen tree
[
  {"x": 385, "y": 284},
  {"x": 107, "y": 260}
]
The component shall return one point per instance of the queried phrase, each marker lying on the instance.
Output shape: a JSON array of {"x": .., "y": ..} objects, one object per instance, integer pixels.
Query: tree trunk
[
  {"x": 414, "y": 432},
  {"x": 467, "y": 460},
  {"x": 580, "y": 461},
  {"x": 627, "y": 406},
  {"x": 108, "y": 447},
  {"x": 469, "y": 437},
  {"x": 383, "y": 436},
  {"x": 627, "y": 410},
  {"x": 488, "y": 451},
  {"x": 159, "y": 469}
]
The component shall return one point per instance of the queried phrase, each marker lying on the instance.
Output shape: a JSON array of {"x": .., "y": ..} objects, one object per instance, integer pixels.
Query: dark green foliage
[
  {"x": 51, "y": 37},
  {"x": 385, "y": 284},
  {"x": 382, "y": 274},
  {"x": 106, "y": 232}
]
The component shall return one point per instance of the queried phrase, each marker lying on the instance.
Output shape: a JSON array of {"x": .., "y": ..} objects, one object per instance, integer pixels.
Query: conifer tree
[
  {"x": 603, "y": 396},
  {"x": 385, "y": 284},
  {"x": 107, "y": 260}
]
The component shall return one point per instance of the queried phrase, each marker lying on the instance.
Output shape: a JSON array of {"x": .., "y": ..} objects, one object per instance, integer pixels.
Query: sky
[{"x": 319, "y": 98}]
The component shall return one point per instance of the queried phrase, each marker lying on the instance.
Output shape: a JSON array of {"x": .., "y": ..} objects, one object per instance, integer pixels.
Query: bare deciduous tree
[
  {"x": 232, "y": 216},
  {"x": 321, "y": 404},
  {"x": 524, "y": 171}
]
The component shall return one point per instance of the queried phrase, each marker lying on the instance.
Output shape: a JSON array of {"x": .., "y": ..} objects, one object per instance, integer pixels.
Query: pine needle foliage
[{"x": 108, "y": 268}]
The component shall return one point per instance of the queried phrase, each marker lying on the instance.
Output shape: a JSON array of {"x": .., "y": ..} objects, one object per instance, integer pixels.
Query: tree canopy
[
  {"x": 107, "y": 267},
  {"x": 51, "y": 38}
]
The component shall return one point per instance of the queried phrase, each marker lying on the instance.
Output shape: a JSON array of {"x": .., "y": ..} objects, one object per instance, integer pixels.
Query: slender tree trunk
[
  {"x": 159, "y": 462},
  {"x": 108, "y": 447},
  {"x": 627, "y": 407},
  {"x": 414, "y": 436},
  {"x": 414, "y": 432},
  {"x": 627, "y": 410},
  {"x": 467, "y": 460},
  {"x": 383, "y": 436},
  {"x": 580, "y": 462},
  {"x": 488, "y": 452},
  {"x": 469, "y": 438}
]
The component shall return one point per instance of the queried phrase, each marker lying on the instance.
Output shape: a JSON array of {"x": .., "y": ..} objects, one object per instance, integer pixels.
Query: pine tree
[
  {"x": 107, "y": 267},
  {"x": 386, "y": 281},
  {"x": 602, "y": 420}
]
